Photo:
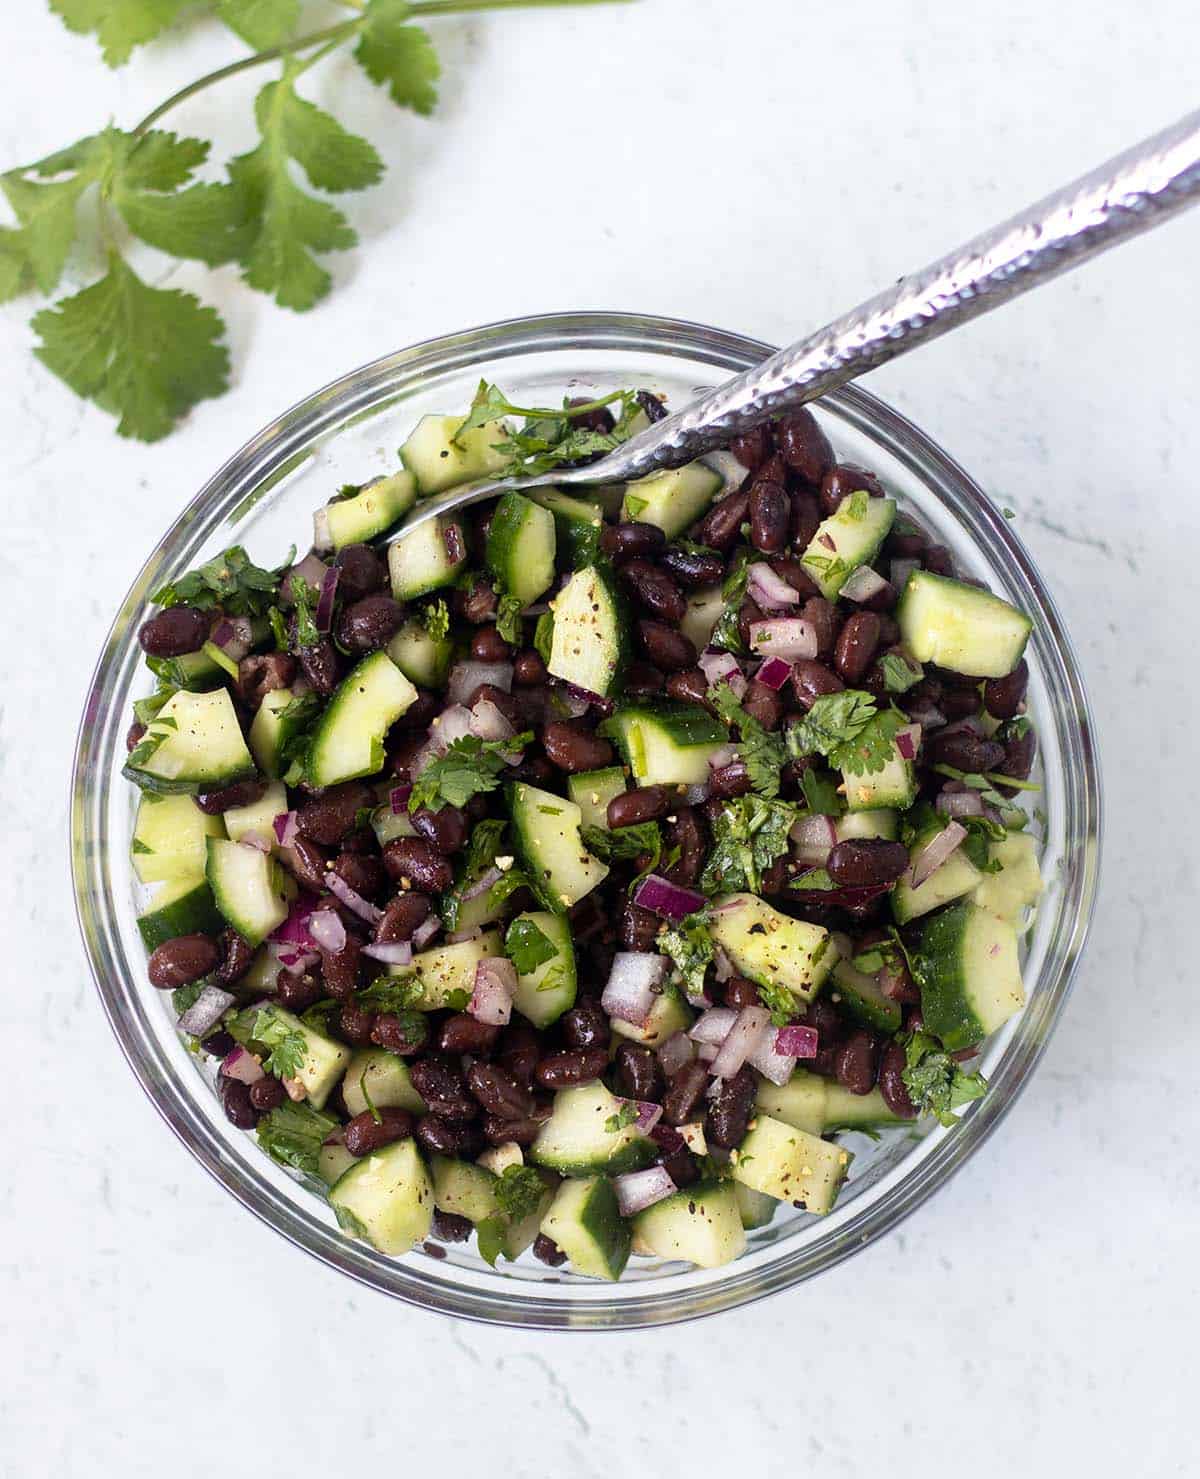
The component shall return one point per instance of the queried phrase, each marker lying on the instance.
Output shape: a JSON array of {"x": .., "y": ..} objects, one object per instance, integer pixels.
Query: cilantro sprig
[
  {"x": 548, "y": 437},
  {"x": 293, "y": 1134},
  {"x": 763, "y": 752},
  {"x": 690, "y": 947},
  {"x": 285, "y": 1048},
  {"x": 935, "y": 1082},
  {"x": 749, "y": 833},
  {"x": 469, "y": 766},
  {"x": 231, "y": 581},
  {"x": 848, "y": 729},
  {"x": 527, "y": 946}
]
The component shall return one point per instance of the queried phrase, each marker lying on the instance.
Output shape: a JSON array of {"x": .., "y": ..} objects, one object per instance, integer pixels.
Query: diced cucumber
[
  {"x": 196, "y": 671},
  {"x": 770, "y": 948},
  {"x": 859, "y": 994},
  {"x": 520, "y": 547},
  {"x": 181, "y": 906},
  {"x": 544, "y": 994},
  {"x": 333, "y": 1161},
  {"x": 460, "y": 913},
  {"x": 375, "y": 1076},
  {"x": 800, "y": 1102},
  {"x": 577, "y": 526},
  {"x": 272, "y": 729},
  {"x": 438, "y": 461},
  {"x": 194, "y": 743},
  {"x": 666, "y": 743},
  {"x": 369, "y": 513},
  {"x": 1010, "y": 892},
  {"x": 590, "y": 645},
  {"x": 701, "y": 1224},
  {"x": 704, "y": 609},
  {"x": 585, "y": 1134},
  {"x": 592, "y": 790},
  {"x": 883, "y": 822},
  {"x": 386, "y": 1198},
  {"x": 546, "y": 840},
  {"x": 958, "y": 875},
  {"x": 672, "y": 500},
  {"x": 445, "y": 977},
  {"x": 427, "y": 558},
  {"x": 262, "y": 977},
  {"x": 249, "y": 888},
  {"x": 348, "y": 739},
  {"x": 971, "y": 981},
  {"x": 895, "y": 786},
  {"x": 755, "y": 1207},
  {"x": 388, "y": 824},
  {"x": 516, "y": 1236},
  {"x": 669, "y": 1014},
  {"x": 587, "y": 1226},
  {"x": 323, "y": 1061},
  {"x": 422, "y": 658},
  {"x": 848, "y": 538},
  {"x": 498, "y": 1158},
  {"x": 847, "y": 1111},
  {"x": 791, "y": 1165},
  {"x": 960, "y": 627},
  {"x": 169, "y": 837},
  {"x": 258, "y": 817},
  {"x": 464, "y": 1189}
]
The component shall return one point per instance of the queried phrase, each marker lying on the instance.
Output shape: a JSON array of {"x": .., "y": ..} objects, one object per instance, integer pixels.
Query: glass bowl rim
[{"x": 620, "y": 1305}]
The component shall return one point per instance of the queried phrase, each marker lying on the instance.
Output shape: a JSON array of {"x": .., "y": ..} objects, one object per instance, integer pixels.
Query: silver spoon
[{"x": 1138, "y": 189}]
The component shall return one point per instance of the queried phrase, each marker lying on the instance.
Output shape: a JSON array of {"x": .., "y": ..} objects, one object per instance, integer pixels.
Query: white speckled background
[{"x": 1039, "y": 1315}]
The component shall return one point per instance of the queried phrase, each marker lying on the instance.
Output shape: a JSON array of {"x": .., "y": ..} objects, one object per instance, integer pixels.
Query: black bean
[
  {"x": 134, "y": 736},
  {"x": 938, "y": 560},
  {"x": 328, "y": 818},
  {"x": 449, "y": 1227},
  {"x": 369, "y": 624},
  {"x": 296, "y": 993},
  {"x": 565, "y": 1070},
  {"x": 638, "y": 928},
  {"x": 864, "y": 862},
  {"x": 362, "y": 872},
  {"x": 362, "y": 572},
  {"x": 441, "y": 1136},
  {"x": 685, "y": 1092},
  {"x": 770, "y": 516},
  {"x": 356, "y": 1025},
  {"x": 638, "y": 1074},
  {"x": 689, "y": 686},
  {"x": 840, "y": 481},
  {"x": 174, "y": 632},
  {"x": 499, "y": 1092},
  {"x": 523, "y": 1132},
  {"x": 241, "y": 793},
  {"x": 487, "y": 645},
  {"x": 413, "y": 861},
  {"x": 573, "y": 748},
  {"x": 964, "y": 749},
  {"x": 340, "y": 967},
  {"x": 651, "y": 404},
  {"x": 686, "y": 836},
  {"x": 446, "y": 830},
  {"x": 599, "y": 419},
  {"x": 803, "y": 445},
  {"x": 182, "y": 960},
  {"x": 262, "y": 673},
  {"x": 820, "y": 614},
  {"x": 795, "y": 574},
  {"x": 528, "y": 669},
  {"x": 585, "y": 1025},
  {"x": 891, "y": 1081},
  {"x": 730, "y": 1108},
  {"x": 856, "y": 646},
  {"x": 319, "y": 664},
  {"x": 692, "y": 568},
  {"x": 644, "y": 804},
  {"x": 741, "y": 992},
  {"x": 753, "y": 447},
  {"x": 730, "y": 780},
  {"x": 628, "y": 541},
  {"x": 463, "y": 1033},
  {"x": 655, "y": 590},
  {"x": 724, "y": 520},
  {"x": 806, "y": 517},
  {"x": 401, "y": 916},
  {"x": 368, "y": 1131},
  {"x": 666, "y": 647},
  {"x": 236, "y": 956},
  {"x": 547, "y": 1251},
  {"x": 402, "y": 1035},
  {"x": 441, "y": 1086},
  {"x": 763, "y": 703},
  {"x": 856, "y": 1061},
  {"x": 1003, "y": 697},
  {"x": 236, "y": 1102},
  {"x": 642, "y": 678},
  {"x": 478, "y": 603}
]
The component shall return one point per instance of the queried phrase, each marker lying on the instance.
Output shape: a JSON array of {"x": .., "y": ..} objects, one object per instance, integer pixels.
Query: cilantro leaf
[
  {"x": 469, "y": 766},
  {"x": 935, "y": 1082},
  {"x": 287, "y": 225},
  {"x": 820, "y": 793},
  {"x": 46, "y": 212},
  {"x": 779, "y": 1001},
  {"x": 16, "y": 271},
  {"x": 231, "y": 580},
  {"x": 725, "y": 635},
  {"x": 689, "y": 945},
  {"x": 849, "y": 731},
  {"x": 624, "y": 1117},
  {"x": 293, "y": 1134},
  {"x": 435, "y": 617},
  {"x": 262, "y": 1026},
  {"x": 763, "y": 752},
  {"x": 549, "y": 438},
  {"x": 304, "y": 604},
  {"x": 518, "y": 1191},
  {"x": 146, "y": 354},
  {"x": 489, "y": 1237},
  {"x": 899, "y": 674},
  {"x": 527, "y": 946},
  {"x": 260, "y": 23},
  {"x": 118, "y": 25},
  {"x": 543, "y": 635},
  {"x": 619, "y": 843},
  {"x": 508, "y": 619},
  {"x": 399, "y": 57},
  {"x": 749, "y": 833}
]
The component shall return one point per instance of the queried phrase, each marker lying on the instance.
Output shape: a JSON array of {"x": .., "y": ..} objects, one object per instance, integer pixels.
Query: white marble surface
[{"x": 1041, "y": 1311}]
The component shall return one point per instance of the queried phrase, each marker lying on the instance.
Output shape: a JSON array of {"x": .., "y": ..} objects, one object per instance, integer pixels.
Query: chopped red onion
[
  {"x": 294, "y": 929},
  {"x": 901, "y": 570},
  {"x": 425, "y": 931},
  {"x": 296, "y": 963},
  {"x": 322, "y": 535},
  {"x": 813, "y": 837},
  {"x": 455, "y": 544},
  {"x": 774, "y": 672},
  {"x": 340, "y": 889},
  {"x": 453, "y": 723},
  {"x": 206, "y": 1011},
  {"x": 722, "y": 757},
  {"x": 489, "y": 722},
  {"x": 827, "y": 541},
  {"x": 241, "y": 1064},
  {"x": 223, "y": 633},
  {"x": 765, "y": 1056},
  {"x": 329, "y": 585},
  {"x": 456, "y": 937},
  {"x": 495, "y": 983},
  {"x": 466, "y": 676},
  {"x": 706, "y": 1052},
  {"x": 908, "y": 741},
  {"x": 390, "y": 952},
  {"x": 310, "y": 570},
  {"x": 648, "y": 1114},
  {"x": 769, "y": 590},
  {"x": 788, "y": 637},
  {"x": 572, "y": 702},
  {"x": 483, "y": 883},
  {"x": 259, "y": 841},
  {"x": 234, "y": 636},
  {"x": 967, "y": 803},
  {"x": 713, "y": 1027},
  {"x": 722, "y": 965},
  {"x": 722, "y": 667},
  {"x": 741, "y": 1040},
  {"x": 674, "y": 1053},
  {"x": 666, "y": 899},
  {"x": 935, "y": 852},
  {"x": 327, "y": 929},
  {"x": 698, "y": 999},
  {"x": 398, "y": 799},
  {"x": 631, "y": 990},
  {"x": 637, "y": 1190},
  {"x": 285, "y": 828},
  {"x": 797, "y": 1042},
  {"x": 862, "y": 584}
]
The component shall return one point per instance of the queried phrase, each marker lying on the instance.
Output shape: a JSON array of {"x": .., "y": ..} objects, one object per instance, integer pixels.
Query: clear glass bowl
[{"x": 263, "y": 497}]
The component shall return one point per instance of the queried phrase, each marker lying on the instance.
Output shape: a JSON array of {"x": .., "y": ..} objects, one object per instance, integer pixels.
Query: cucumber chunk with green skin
[
  {"x": 333, "y": 1161},
  {"x": 272, "y": 729},
  {"x": 859, "y": 994},
  {"x": 666, "y": 743},
  {"x": 248, "y": 887},
  {"x": 322, "y": 1060},
  {"x": 704, "y": 608},
  {"x": 545, "y": 993},
  {"x": 591, "y": 642},
  {"x": 546, "y": 840},
  {"x": 181, "y": 906},
  {"x": 883, "y": 822},
  {"x": 197, "y": 671},
  {"x": 170, "y": 837},
  {"x": 438, "y": 458},
  {"x": 520, "y": 547},
  {"x": 375, "y": 1076},
  {"x": 515, "y": 1237},
  {"x": 587, "y": 1226},
  {"x": 445, "y": 977},
  {"x": 800, "y": 1102},
  {"x": 592, "y": 790},
  {"x": 464, "y": 1189},
  {"x": 847, "y": 1111},
  {"x": 577, "y": 526},
  {"x": 971, "y": 977},
  {"x": 422, "y": 658},
  {"x": 194, "y": 743},
  {"x": 672, "y": 500},
  {"x": 1018, "y": 884},
  {"x": 669, "y": 1014},
  {"x": 585, "y": 1134},
  {"x": 847, "y": 539},
  {"x": 958, "y": 875},
  {"x": 258, "y": 817},
  {"x": 770, "y": 948},
  {"x": 427, "y": 559},
  {"x": 960, "y": 627},
  {"x": 386, "y": 1198},
  {"x": 755, "y": 1207},
  {"x": 791, "y": 1165},
  {"x": 367, "y": 514},
  {"x": 388, "y": 824},
  {"x": 894, "y": 787},
  {"x": 348, "y": 739},
  {"x": 701, "y": 1224}
]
